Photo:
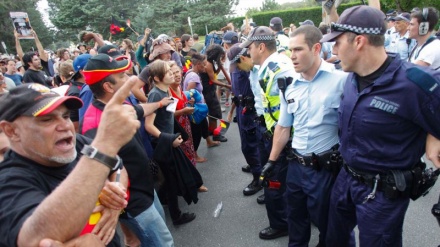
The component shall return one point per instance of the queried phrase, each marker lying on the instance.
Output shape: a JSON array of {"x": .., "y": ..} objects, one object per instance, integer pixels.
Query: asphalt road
[{"x": 242, "y": 218}]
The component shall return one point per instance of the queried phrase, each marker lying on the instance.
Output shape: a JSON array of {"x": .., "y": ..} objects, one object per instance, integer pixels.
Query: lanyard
[{"x": 423, "y": 46}]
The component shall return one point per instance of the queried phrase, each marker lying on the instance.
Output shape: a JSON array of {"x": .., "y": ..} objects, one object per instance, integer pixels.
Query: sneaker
[{"x": 219, "y": 138}]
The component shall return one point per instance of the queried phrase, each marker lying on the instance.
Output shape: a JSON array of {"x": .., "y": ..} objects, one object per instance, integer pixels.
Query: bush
[{"x": 291, "y": 15}]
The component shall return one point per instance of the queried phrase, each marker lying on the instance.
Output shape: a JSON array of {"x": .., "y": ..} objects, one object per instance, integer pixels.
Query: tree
[
  {"x": 44, "y": 33},
  {"x": 270, "y": 5},
  {"x": 173, "y": 20}
]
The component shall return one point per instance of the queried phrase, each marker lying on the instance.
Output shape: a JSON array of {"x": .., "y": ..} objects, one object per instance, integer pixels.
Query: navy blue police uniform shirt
[{"x": 385, "y": 125}]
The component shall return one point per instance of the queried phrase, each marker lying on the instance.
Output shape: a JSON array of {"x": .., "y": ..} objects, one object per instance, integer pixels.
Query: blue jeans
[{"x": 149, "y": 226}]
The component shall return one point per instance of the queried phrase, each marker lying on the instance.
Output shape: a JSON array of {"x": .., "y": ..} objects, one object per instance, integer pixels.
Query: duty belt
[
  {"x": 396, "y": 183},
  {"x": 327, "y": 159}
]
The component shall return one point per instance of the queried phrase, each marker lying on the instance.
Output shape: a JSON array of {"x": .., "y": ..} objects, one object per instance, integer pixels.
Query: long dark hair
[{"x": 214, "y": 55}]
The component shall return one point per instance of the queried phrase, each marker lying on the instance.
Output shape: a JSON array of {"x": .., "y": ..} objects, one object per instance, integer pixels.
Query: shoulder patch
[
  {"x": 273, "y": 67},
  {"x": 424, "y": 80}
]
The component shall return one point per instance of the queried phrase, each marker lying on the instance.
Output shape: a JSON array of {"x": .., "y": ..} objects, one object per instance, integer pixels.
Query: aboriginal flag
[{"x": 116, "y": 27}]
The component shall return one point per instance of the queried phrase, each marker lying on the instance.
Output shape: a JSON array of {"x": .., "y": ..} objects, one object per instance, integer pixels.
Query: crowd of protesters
[{"x": 126, "y": 120}]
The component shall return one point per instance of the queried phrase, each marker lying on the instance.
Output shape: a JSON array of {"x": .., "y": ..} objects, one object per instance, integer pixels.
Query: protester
[
  {"x": 144, "y": 213},
  {"x": 197, "y": 46},
  {"x": 42, "y": 186},
  {"x": 11, "y": 72},
  {"x": 180, "y": 175},
  {"x": 184, "y": 108},
  {"x": 215, "y": 56},
  {"x": 192, "y": 80},
  {"x": 33, "y": 73}
]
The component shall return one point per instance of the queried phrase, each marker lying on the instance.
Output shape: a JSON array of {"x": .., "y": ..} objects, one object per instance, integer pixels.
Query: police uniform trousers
[
  {"x": 380, "y": 220},
  {"x": 274, "y": 198},
  {"x": 249, "y": 137},
  {"x": 308, "y": 198}
]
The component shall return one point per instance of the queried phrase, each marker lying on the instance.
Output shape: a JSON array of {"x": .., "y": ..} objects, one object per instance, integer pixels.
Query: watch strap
[{"x": 93, "y": 153}]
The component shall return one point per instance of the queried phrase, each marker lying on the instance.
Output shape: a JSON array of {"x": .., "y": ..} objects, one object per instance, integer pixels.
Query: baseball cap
[
  {"x": 403, "y": 17},
  {"x": 33, "y": 99},
  {"x": 18, "y": 65},
  {"x": 261, "y": 33},
  {"x": 275, "y": 21},
  {"x": 110, "y": 50},
  {"x": 307, "y": 22},
  {"x": 235, "y": 52},
  {"x": 230, "y": 37},
  {"x": 80, "y": 62},
  {"x": 360, "y": 19},
  {"x": 102, "y": 65}
]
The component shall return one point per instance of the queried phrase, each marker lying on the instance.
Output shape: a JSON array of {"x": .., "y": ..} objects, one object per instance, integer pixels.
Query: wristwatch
[{"x": 93, "y": 153}]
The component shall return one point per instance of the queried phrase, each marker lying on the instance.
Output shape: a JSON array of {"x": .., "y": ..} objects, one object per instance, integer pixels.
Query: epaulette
[
  {"x": 273, "y": 67},
  {"x": 424, "y": 80}
]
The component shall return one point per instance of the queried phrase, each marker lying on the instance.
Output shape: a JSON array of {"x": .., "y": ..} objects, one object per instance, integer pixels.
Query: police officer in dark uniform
[
  {"x": 261, "y": 45},
  {"x": 388, "y": 108},
  {"x": 246, "y": 114}
]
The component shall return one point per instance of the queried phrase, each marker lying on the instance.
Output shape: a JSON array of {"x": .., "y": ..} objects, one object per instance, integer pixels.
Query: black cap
[
  {"x": 110, "y": 50},
  {"x": 33, "y": 99}
]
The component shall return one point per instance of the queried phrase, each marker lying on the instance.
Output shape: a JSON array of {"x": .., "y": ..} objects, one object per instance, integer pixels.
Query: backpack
[{"x": 214, "y": 37}]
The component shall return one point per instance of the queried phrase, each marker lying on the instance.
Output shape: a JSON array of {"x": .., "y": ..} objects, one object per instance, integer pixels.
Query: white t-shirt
[{"x": 429, "y": 54}]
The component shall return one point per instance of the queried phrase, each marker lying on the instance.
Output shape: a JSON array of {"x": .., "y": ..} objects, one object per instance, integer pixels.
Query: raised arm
[
  {"x": 41, "y": 53},
  {"x": 18, "y": 46},
  {"x": 63, "y": 214}
]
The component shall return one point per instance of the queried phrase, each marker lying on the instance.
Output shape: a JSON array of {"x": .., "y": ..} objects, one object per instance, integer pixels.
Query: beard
[{"x": 62, "y": 160}]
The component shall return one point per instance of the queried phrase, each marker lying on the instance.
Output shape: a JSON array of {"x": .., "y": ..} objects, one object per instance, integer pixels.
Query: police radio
[{"x": 424, "y": 24}]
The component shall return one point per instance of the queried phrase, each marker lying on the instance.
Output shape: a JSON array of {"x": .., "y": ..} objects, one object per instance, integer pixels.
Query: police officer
[
  {"x": 310, "y": 104},
  {"x": 387, "y": 110},
  {"x": 243, "y": 101},
  {"x": 400, "y": 42},
  {"x": 276, "y": 24},
  {"x": 261, "y": 44}
]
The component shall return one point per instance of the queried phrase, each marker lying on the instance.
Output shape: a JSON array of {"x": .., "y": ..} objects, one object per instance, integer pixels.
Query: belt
[
  {"x": 367, "y": 178},
  {"x": 317, "y": 161}
]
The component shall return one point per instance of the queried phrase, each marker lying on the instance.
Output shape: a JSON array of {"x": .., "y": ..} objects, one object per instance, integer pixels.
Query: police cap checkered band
[
  {"x": 235, "y": 52},
  {"x": 260, "y": 33},
  {"x": 359, "y": 19},
  {"x": 354, "y": 29}
]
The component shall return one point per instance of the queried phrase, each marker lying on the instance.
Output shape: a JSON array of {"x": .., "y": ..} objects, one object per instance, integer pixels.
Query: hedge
[{"x": 291, "y": 15}]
